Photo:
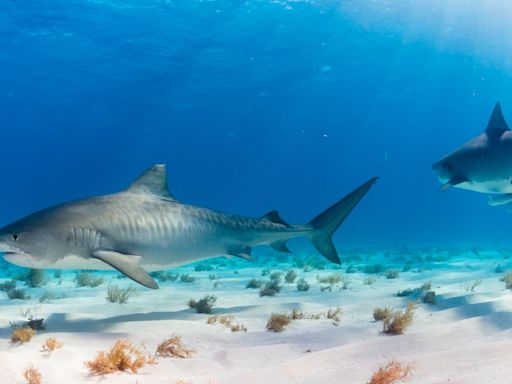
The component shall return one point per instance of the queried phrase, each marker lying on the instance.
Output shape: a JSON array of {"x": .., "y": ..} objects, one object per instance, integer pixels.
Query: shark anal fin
[
  {"x": 154, "y": 181},
  {"x": 127, "y": 265},
  {"x": 497, "y": 124},
  {"x": 274, "y": 217},
  {"x": 280, "y": 246},
  {"x": 244, "y": 253}
]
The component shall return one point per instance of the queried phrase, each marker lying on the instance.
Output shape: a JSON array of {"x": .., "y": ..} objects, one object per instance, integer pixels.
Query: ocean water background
[{"x": 257, "y": 105}]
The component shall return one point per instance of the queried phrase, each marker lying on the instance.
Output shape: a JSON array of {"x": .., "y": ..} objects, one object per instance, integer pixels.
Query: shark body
[
  {"x": 144, "y": 228},
  {"x": 483, "y": 164}
]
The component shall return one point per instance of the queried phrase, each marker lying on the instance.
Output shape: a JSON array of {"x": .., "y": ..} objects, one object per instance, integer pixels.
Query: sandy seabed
[{"x": 466, "y": 337}]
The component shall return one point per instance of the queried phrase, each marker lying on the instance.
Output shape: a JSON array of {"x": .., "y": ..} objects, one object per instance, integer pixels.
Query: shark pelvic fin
[
  {"x": 154, "y": 181},
  {"x": 280, "y": 246},
  {"x": 244, "y": 253},
  {"x": 454, "y": 181},
  {"x": 127, "y": 265},
  {"x": 274, "y": 217},
  {"x": 497, "y": 124}
]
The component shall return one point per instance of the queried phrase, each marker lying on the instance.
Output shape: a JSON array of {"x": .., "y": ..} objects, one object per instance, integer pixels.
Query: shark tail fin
[{"x": 325, "y": 224}]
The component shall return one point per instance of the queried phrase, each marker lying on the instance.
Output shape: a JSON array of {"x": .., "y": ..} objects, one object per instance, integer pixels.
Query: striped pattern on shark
[{"x": 144, "y": 228}]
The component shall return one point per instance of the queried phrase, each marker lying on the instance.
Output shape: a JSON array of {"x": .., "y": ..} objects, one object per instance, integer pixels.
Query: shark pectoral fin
[
  {"x": 453, "y": 182},
  {"x": 127, "y": 265},
  {"x": 503, "y": 199},
  {"x": 280, "y": 246}
]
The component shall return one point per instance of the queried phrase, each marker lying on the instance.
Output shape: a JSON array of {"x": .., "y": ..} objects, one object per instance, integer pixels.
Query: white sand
[{"x": 465, "y": 338}]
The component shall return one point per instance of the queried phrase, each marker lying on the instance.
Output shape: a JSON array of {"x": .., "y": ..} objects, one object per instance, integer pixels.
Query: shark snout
[
  {"x": 9, "y": 249},
  {"x": 15, "y": 255},
  {"x": 441, "y": 170}
]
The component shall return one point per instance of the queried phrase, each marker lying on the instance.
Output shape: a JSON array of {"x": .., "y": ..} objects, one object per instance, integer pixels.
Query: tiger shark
[
  {"x": 483, "y": 164},
  {"x": 144, "y": 228}
]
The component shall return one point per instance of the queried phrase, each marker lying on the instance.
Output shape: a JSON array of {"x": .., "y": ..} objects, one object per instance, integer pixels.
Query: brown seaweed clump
[
  {"x": 393, "y": 372},
  {"x": 32, "y": 375},
  {"x": 173, "y": 347},
  {"x": 228, "y": 322},
  {"x": 204, "y": 305},
  {"x": 51, "y": 344},
  {"x": 380, "y": 314},
  {"x": 123, "y": 356},
  {"x": 278, "y": 321},
  {"x": 398, "y": 322},
  {"x": 22, "y": 335},
  {"x": 507, "y": 279}
]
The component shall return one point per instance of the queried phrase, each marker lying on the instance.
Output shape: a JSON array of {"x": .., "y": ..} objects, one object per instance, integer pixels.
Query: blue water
[
  {"x": 259, "y": 105},
  {"x": 256, "y": 105}
]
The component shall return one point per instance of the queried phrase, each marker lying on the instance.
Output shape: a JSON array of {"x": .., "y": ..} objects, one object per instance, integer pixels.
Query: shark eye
[{"x": 15, "y": 237}]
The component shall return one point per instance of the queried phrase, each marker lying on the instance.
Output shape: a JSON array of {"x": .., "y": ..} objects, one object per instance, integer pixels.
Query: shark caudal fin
[{"x": 326, "y": 223}]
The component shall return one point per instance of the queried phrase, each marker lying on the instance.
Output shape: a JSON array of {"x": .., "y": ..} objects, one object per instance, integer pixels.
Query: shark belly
[
  {"x": 182, "y": 251},
  {"x": 79, "y": 262},
  {"x": 488, "y": 186},
  {"x": 70, "y": 261}
]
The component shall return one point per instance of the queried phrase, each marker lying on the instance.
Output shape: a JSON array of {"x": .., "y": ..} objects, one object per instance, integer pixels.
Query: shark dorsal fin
[
  {"x": 497, "y": 124},
  {"x": 274, "y": 217},
  {"x": 154, "y": 181}
]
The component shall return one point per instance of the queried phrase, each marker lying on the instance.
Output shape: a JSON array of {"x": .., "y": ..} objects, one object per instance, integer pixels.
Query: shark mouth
[
  {"x": 7, "y": 248},
  {"x": 20, "y": 259},
  {"x": 16, "y": 256}
]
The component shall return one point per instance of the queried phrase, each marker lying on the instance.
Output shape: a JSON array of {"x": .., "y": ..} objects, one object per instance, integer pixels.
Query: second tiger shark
[
  {"x": 144, "y": 228},
  {"x": 483, "y": 164}
]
